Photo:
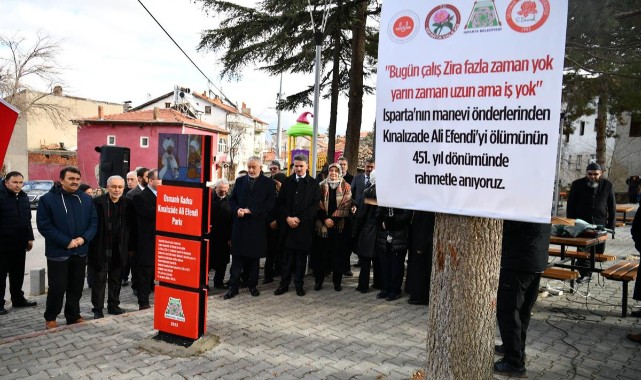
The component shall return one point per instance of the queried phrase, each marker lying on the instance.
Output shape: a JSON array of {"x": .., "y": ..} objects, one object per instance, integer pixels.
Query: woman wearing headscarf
[{"x": 332, "y": 227}]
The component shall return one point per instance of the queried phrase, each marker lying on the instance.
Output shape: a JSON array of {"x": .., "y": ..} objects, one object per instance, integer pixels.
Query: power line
[{"x": 186, "y": 55}]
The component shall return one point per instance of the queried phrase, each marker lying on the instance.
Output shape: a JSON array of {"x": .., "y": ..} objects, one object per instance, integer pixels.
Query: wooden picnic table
[
  {"x": 587, "y": 244},
  {"x": 624, "y": 209}
]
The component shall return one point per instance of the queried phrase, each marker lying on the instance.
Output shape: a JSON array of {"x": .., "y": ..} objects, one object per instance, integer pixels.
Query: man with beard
[
  {"x": 250, "y": 202},
  {"x": 592, "y": 199},
  {"x": 221, "y": 223},
  {"x": 142, "y": 182}
]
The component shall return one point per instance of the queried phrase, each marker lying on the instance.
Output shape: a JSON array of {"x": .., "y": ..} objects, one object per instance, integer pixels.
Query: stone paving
[{"x": 324, "y": 335}]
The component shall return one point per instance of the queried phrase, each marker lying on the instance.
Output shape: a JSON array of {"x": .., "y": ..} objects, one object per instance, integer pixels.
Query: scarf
[{"x": 343, "y": 205}]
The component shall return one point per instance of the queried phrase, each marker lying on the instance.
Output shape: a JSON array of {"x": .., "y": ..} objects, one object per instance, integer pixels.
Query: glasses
[
  {"x": 273, "y": 168},
  {"x": 592, "y": 174}
]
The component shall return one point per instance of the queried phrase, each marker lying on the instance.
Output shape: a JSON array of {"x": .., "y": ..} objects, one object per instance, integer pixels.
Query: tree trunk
[
  {"x": 355, "y": 104},
  {"x": 333, "y": 112},
  {"x": 462, "y": 313},
  {"x": 601, "y": 126}
]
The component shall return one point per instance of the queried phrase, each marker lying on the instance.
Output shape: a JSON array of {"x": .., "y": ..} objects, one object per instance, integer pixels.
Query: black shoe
[
  {"x": 300, "y": 292},
  {"x": 348, "y": 273},
  {"x": 376, "y": 286},
  {"x": 636, "y": 313},
  {"x": 393, "y": 297},
  {"x": 221, "y": 286},
  {"x": 98, "y": 315},
  {"x": 268, "y": 280},
  {"x": 318, "y": 286},
  {"x": 414, "y": 301},
  {"x": 3, "y": 311},
  {"x": 24, "y": 303},
  {"x": 124, "y": 283},
  {"x": 381, "y": 295},
  {"x": 500, "y": 350},
  {"x": 231, "y": 294},
  {"x": 115, "y": 310},
  {"x": 584, "y": 279},
  {"x": 280, "y": 290},
  {"x": 502, "y": 367},
  {"x": 254, "y": 292},
  {"x": 338, "y": 287},
  {"x": 362, "y": 290}
]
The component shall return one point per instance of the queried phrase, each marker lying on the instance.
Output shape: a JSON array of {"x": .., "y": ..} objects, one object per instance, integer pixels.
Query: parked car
[{"x": 36, "y": 189}]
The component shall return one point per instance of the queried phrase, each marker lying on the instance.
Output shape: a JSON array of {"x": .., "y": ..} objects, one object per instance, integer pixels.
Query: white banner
[{"x": 468, "y": 106}]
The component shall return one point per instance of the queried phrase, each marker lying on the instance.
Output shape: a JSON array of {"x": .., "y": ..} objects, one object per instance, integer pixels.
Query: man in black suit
[
  {"x": 344, "y": 164},
  {"x": 220, "y": 235},
  {"x": 136, "y": 182},
  {"x": 252, "y": 199},
  {"x": 299, "y": 200},
  {"x": 145, "y": 206},
  {"x": 142, "y": 183},
  {"x": 362, "y": 181}
]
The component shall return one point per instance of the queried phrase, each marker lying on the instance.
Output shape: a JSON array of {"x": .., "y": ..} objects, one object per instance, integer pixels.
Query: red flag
[{"x": 8, "y": 117}]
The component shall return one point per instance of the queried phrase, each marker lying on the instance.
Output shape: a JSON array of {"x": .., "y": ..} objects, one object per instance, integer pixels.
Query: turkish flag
[{"x": 8, "y": 117}]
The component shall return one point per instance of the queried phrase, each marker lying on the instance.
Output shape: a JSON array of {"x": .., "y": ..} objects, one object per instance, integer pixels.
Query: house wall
[
  {"x": 16, "y": 157},
  {"x": 626, "y": 160},
  {"x": 48, "y": 166}
]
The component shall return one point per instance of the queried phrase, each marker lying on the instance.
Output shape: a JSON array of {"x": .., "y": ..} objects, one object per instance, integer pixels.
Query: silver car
[{"x": 36, "y": 189}]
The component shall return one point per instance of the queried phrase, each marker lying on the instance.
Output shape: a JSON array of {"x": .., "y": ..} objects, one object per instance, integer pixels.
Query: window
[
  {"x": 167, "y": 105},
  {"x": 579, "y": 164},
  {"x": 582, "y": 130},
  {"x": 222, "y": 145},
  {"x": 144, "y": 142},
  {"x": 569, "y": 161},
  {"x": 111, "y": 140},
  {"x": 207, "y": 110},
  {"x": 635, "y": 126}
]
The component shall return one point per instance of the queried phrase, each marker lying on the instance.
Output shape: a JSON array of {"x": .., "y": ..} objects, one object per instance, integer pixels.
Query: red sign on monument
[
  {"x": 177, "y": 311},
  {"x": 178, "y": 261},
  {"x": 179, "y": 210}
]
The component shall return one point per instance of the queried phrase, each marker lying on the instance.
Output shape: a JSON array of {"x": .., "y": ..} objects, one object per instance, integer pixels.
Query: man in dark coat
[
  {"x": 143, "y": 180},
  {"x": 592, "y": 199},
  {"x": 112, "y": 245},
  {"x": 365, "y": 231},
  {"x": 251, "y": 201},
  {"x": 524, "y": 257},
  {"x": 220, "y": 235},
  {"x": 145, "y": 254},
  {"x": 362, "y": 181},
  {"x": 68, "y": 221},
  {"x": 419, "y": 260},
  {"x": 274, "y": 246},
  {"x": 299, "y": 200},
  {"x": 16, "y": 235},
  {"x": 391, "y": 248},
  {"x": 636, "y": 237}
]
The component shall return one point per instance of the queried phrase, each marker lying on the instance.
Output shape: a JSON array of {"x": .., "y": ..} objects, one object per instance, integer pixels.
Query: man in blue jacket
[
  {"x": 16, "y": 236},
  {"x": 68, "y": 221}
]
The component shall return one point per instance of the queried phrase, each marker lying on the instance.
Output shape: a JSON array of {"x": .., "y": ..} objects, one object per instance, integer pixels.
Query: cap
[{"x": 593, "y": 166}]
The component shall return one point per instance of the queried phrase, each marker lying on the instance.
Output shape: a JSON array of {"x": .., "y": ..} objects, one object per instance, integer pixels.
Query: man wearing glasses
[
  {"x": 592, "y": 199},
  {"x": 274, "y": 168}
]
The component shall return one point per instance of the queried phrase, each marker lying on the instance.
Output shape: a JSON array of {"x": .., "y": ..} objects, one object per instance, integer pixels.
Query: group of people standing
[{"x": 287, "y": 220}]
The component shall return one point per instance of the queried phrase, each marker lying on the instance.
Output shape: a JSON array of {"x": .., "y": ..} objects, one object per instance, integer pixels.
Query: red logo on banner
[
  {"x": 528, "y": 16},
  {"x": 442, "y": 21},
  {"x": 176, "y": 311},
  {"x": 179, "y": 210},
  {"x": 403, "y": 26},
  {"x": 178, "y": 261}
]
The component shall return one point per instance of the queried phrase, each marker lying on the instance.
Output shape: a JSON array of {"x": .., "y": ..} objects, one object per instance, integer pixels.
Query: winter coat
[
  {"x": 62, "y": 217},
  {"x": 220, "y": 235},
  {"x": 365, "y": 225},
  {"x": 396, "y": 223},
  {"x": 145, "y": 236},
  {"x": 101, "y": 247},
  {"x": 15, "y": 220},
  {"x": 249, "y": 234},
  {"x": 595, "y": 206},
  {"x": 525, "y": 246},
  {"x": 635, "y": 230},
  {"x": 299, "y": 199}
]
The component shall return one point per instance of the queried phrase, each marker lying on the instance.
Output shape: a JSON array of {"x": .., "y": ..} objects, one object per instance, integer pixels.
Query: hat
[
  {"x": 275, "y": 163},
  {"x": 337, "y": 166},
  {"x": 593, "y": 166}
]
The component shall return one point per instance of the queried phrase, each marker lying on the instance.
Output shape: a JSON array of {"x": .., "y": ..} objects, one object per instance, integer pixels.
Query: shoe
[
  {"x": 348, "y": 273},
  {"x": 268, "y": 280},
  {"x": 115, "y": 310},
  {"x": 376, "y": 286},
  {"x": 381, "y": 295},
  {"x": 584, "y": 279},
  {"x": 230, "y": 294},
  {"x": 254, "y": 292},
  {"x": 499, "y": 349},
  {"x": 98, "y": 315},
  {"x": 221, "y": 286},
  {"x": 124, "y": 283},
  {"x": 338, "y": 287},
  {"x": 280, "y": 291},
  {"x": 636, "y": 313},
  {"x": 144, "y": 307},
  {"x": 300, "y": 292},
  {"x": 79, "y": 320},
  {"x": 502, "y": 367},
  {"x": 362, "y": 290},
  {"x": 318, "y": 286},
  {"x": 51, "y": 324},
  {"x": 393, "y": 297},
  {"x": 3, "y": 311},
  {"x": 414, "y": 301},
  {"x": 24, "y": 303},
  {"x": 635, "y": 337}
]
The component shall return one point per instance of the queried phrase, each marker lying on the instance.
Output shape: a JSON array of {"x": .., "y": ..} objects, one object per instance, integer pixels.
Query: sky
[{"x": 114, "y": 51}]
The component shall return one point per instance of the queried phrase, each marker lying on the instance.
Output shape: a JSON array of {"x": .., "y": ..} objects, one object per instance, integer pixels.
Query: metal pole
[
  {"x": 555, "y": 208},
  {"x": 318, "y": 36},
  {"x": 279, "y": 135}
]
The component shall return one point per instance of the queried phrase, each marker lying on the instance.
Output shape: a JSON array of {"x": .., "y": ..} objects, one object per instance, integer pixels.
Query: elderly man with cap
[{"x": 592, "y": 199}]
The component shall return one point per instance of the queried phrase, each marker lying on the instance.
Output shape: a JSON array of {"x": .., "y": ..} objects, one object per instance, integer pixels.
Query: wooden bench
[
  {"x": 560, "y": 274},
  {"x": 599, "y": 257},
  {"x": 624, "y": 271}
]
